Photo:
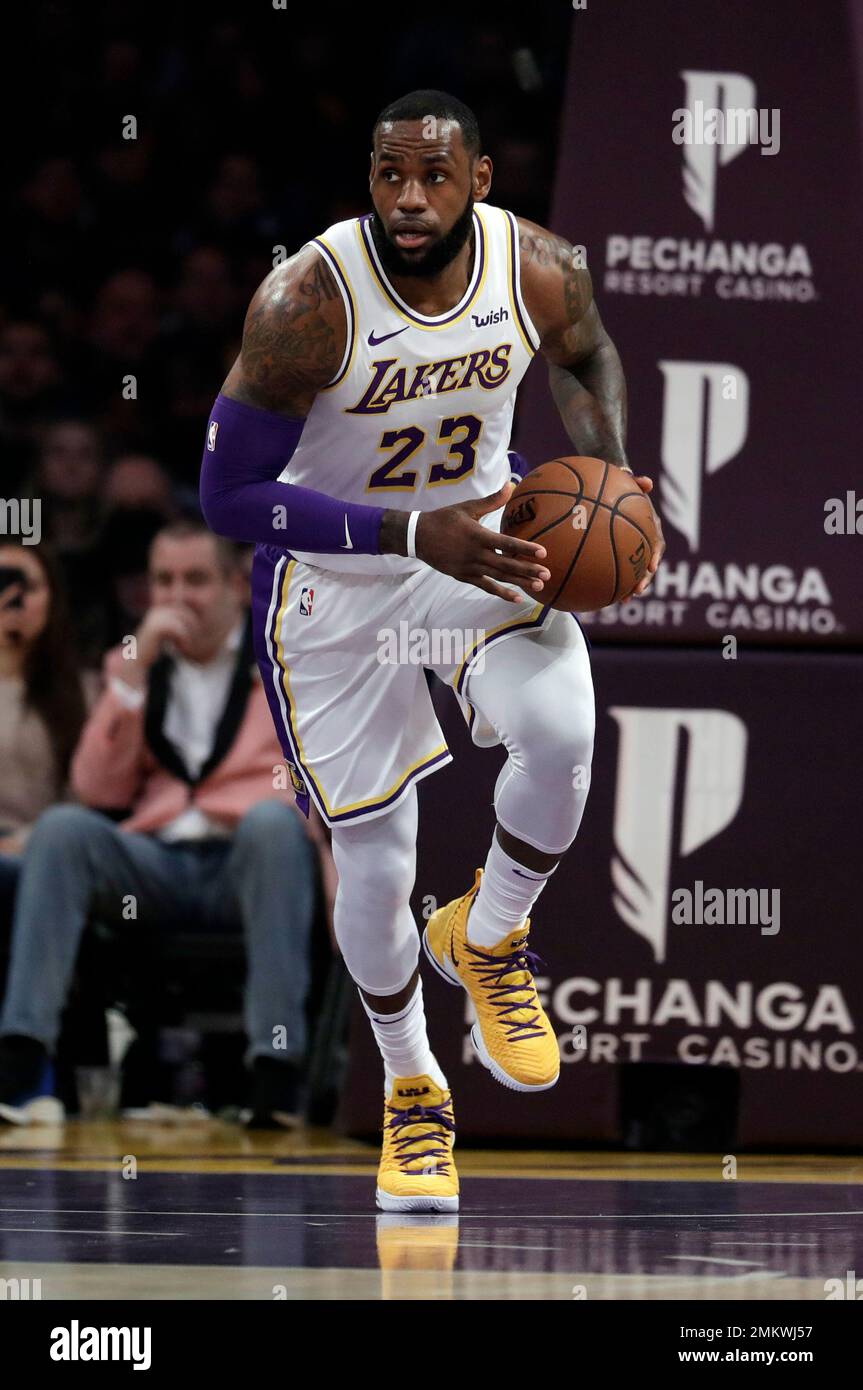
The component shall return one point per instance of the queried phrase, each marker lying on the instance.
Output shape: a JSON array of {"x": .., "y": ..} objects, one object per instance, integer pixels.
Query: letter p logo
[
  {"x": 712, "y": 743},
  {"x": 702, "y": 428}
]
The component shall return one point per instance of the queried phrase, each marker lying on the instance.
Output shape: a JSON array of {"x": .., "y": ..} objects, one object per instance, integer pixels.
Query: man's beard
[{"x": 436, "y": 259}]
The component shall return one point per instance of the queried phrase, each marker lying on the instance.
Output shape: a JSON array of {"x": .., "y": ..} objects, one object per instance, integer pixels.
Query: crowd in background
[{"x": 130, "y": 261}]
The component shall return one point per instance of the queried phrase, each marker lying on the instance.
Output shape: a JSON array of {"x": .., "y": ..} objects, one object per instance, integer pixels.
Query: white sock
[
  {"x": 506, "y": 896},
  {"x": 403, "y": 1042}
]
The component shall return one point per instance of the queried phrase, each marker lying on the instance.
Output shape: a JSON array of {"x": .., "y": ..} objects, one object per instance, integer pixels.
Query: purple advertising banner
[
  {"x": 710, "y": 173},
  {"x": 708, "y": 915}
]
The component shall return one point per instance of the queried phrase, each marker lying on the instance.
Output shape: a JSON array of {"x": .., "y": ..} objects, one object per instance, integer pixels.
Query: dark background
[{"x": 140, "y": 256}]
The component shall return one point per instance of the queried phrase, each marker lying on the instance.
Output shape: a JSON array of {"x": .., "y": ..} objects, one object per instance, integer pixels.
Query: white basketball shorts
[{"x": 344, "y": 657}]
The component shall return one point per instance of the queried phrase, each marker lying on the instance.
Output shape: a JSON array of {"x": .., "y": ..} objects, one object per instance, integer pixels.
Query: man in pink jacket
[{"x": 182, "y": 741}]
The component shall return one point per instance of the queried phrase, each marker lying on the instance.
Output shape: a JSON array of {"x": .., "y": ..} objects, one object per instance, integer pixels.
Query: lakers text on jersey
[{"x": 419, "y": 414}]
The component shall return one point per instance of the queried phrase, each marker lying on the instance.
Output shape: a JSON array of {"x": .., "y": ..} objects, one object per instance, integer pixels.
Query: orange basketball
[{"x": 596, "y": 525}]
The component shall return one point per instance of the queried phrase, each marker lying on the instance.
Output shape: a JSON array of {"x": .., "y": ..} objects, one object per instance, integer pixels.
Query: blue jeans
[{"x": 79, "y": 864}]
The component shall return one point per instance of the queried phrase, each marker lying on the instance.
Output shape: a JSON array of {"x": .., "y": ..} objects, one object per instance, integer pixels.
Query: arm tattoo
[
  {"x": 585, "y": 374},
  {"x": 289, "y": 350},
  {"x": 551, "y": 250},
  {"x": 592, "y": 405}
]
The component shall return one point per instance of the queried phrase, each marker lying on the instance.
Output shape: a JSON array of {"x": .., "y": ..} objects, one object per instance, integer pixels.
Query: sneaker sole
[
  {"x": 453, "y": 978},
  {"x": 387, "y": 1202}
]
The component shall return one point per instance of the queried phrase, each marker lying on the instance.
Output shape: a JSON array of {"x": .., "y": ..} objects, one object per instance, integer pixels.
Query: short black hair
[{"x": 428, "y": 101}]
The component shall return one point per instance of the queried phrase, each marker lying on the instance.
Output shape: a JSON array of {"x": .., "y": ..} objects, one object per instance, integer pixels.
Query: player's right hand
[{"x": 452, "y": 540}]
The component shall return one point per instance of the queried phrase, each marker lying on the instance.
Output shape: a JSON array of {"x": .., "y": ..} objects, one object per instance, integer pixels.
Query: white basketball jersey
[{"x": 419, "y": 414}]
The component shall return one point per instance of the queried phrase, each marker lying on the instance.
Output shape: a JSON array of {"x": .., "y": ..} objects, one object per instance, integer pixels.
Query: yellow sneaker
[
  {"x": 512, "y": 1035},
  {"x": 417, "y": 1171}
]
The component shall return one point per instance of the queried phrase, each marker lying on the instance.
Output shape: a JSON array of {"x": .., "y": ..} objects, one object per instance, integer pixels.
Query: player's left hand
[{"x": 646, "y": 485}]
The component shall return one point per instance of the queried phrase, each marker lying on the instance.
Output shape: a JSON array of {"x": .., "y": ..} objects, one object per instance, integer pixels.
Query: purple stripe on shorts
[
  {"x": 525, "y": 624},
  {"x": 358, "y": 811},
  {"x": 266, "y": 562}
]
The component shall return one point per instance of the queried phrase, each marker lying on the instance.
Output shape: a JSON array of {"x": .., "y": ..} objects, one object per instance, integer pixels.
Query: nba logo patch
[
  {"x": 307, "y": 598},
  {"x": 297, "y": 782},
  {"x": 211, "y": 435}
]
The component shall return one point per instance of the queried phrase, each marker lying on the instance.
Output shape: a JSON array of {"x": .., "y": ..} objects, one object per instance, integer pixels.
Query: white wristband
[{"x": 411, "y": 535}]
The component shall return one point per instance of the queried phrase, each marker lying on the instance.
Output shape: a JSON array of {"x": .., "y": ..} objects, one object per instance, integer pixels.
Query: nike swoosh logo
[
  {"x": 348, "y": 545},
  {"x": 373, "y": 341}
]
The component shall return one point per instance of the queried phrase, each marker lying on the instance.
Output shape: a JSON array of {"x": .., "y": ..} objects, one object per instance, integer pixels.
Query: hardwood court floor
[{"x": 213, "y": 1212}]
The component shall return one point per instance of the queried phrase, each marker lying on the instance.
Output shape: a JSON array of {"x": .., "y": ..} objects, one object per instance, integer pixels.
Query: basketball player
[{"x": 377, "y": 377}]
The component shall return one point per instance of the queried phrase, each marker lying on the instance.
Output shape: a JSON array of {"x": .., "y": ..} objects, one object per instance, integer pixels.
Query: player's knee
[
  {"x": 579, "y": 746},
  {"x": 378, "y": 860},
  {"x": 386, "y": 883},
  {"x": 560, "y": 749},
  {"x": 571, "y": 770}
]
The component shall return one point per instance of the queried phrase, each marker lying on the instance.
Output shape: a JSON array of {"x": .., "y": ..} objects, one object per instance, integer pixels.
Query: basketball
[{"x": 596, "y": 525}]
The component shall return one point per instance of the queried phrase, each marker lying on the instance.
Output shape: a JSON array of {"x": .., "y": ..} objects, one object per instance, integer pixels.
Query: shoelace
[
  {"x": 440, "y": 1115},
  {"x": 491, "y": 971}
]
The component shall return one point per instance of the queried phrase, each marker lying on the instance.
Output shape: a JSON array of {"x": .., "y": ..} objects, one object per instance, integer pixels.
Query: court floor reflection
[{"x": 305, "y": 1227}]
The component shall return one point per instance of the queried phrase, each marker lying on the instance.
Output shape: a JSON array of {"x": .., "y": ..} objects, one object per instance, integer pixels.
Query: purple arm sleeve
[{"x": 241, "y": 497}]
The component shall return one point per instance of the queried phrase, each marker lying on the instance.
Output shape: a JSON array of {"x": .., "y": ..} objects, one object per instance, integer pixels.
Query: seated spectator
[
  {"x": 205, "y": 299},
  {"x": 183, "y": 739},
  {"x": 49, "y": 232},
  {"x": 207, "y": 318},
  {"x": 139, "y": 501},
  {"x": 67, "y": 482},
  {"x": 125, "y": 321},
  {"x": 30, "y": 392},
  {"x": 137, "y": 480},
  {"x": 235, "y": 213},
  {"x": 124, "y": 563},
  {"x": 41, "y": 703},
  {"x": 117, "y": 372}
]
